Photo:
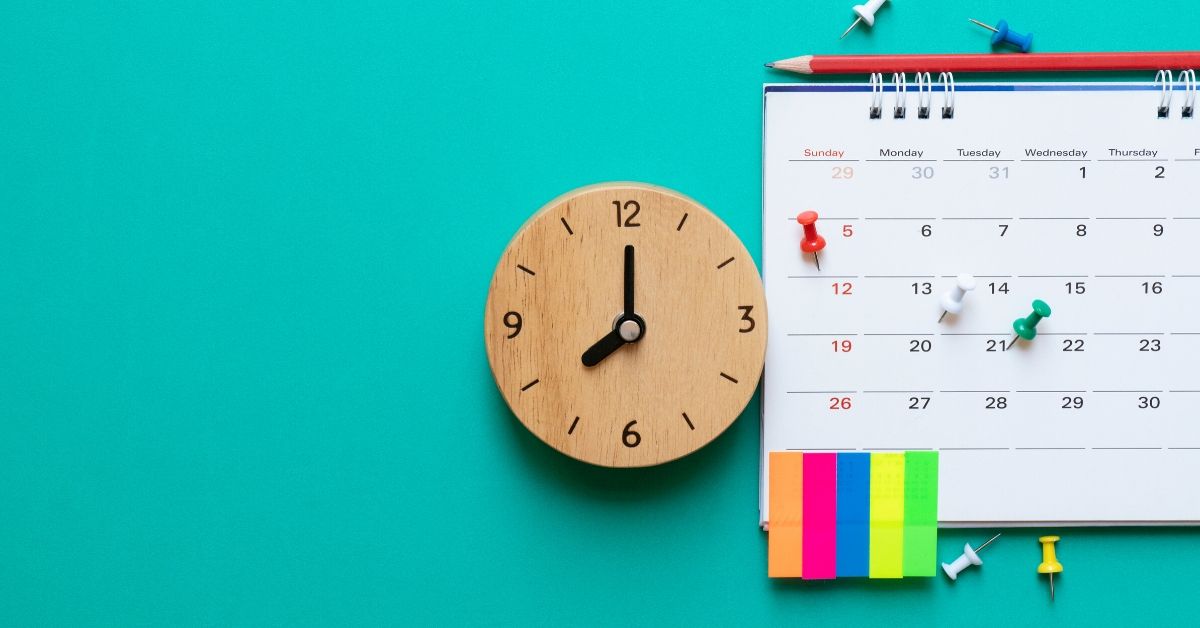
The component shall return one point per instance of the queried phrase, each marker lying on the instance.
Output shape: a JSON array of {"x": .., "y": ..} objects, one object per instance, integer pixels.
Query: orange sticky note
[{"x": 784, "y": 531}]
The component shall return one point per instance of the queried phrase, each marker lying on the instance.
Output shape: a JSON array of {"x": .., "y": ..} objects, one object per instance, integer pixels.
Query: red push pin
[{"x": 812, "y": 241}]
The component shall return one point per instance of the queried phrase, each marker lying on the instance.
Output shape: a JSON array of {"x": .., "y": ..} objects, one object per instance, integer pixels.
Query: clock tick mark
[
  {"x": 573, "y": 424},
  {"x": 723, "y": 374},
  {"x": 568, "y": 227},
  {"x": 689, "y": 422},
  {"x": 681, "y": 221},
  {"x": 534, "y": 382},
  {"x": 724, "y": 263},
  {"x": 526, "y": 270}
]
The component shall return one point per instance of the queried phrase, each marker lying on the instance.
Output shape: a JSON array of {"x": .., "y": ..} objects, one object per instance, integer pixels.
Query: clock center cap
[{"x": 630, "y": 330}]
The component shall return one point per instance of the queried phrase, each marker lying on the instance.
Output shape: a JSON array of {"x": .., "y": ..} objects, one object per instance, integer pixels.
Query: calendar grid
[{"x": 1104, "y": 394}]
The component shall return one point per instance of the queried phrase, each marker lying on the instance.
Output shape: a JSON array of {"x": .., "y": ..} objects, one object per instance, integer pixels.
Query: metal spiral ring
[
  {"x": 901, "y": 84},
  {"x": 1167, "y": 78},
  {"x": 924, "y": 94},
  {"x": 876, "y": 96},
  {"x": 947, "y": 81},
  {"x": 1188, "y": 79}
]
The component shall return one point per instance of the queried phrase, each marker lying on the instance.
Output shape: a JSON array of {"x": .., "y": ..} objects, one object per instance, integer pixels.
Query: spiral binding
[
  {"x": 1168, "y": 85},
  {"x": 924, "y": 87},
  {"x": 1164, "y": 80}
]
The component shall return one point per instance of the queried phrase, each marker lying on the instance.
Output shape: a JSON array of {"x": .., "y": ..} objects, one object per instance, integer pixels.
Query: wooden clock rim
[
  {"x": 606, "y": 185},
  {"x": 617, "y": 185}
]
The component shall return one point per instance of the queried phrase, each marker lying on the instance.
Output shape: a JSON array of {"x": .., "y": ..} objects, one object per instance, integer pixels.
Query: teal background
[{"x": 244, "y": 251}]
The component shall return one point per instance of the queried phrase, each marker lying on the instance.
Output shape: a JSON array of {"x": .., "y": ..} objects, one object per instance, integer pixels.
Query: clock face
[{"x": 626, "y": 325}]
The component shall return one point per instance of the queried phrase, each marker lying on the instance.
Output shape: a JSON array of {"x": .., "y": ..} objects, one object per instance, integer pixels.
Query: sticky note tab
[
  {"x": 920, "y": 513},
  {"x": 786, "y": 514},
  {"x": 820, "y": 516},
  {"x": 853, "y": 513},
  {"x": 887, "y": 516}
]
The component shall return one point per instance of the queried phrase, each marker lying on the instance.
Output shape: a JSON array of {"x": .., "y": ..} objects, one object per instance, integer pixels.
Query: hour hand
[{"x": 603, "y": 347}]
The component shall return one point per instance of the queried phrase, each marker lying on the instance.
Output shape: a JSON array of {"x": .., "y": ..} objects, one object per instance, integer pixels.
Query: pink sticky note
[{"x": 820, "y": 516}]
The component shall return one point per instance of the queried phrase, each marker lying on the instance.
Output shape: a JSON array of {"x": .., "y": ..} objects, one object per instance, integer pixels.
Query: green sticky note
[{"x": 920, "y": 513}]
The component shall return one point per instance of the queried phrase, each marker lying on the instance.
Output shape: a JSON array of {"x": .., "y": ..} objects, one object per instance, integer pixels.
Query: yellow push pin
[{"x": 1050, "y": 564}]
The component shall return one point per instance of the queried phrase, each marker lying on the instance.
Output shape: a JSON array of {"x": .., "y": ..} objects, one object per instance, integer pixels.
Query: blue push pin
[{"x": 1001, "y": 35}]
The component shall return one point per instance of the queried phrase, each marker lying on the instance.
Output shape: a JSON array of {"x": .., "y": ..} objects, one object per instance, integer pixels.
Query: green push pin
[{"x": 1027, "y": 327}]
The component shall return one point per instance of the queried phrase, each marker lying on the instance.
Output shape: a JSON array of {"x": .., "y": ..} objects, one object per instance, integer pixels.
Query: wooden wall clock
[{"x": 626, "y": 325}]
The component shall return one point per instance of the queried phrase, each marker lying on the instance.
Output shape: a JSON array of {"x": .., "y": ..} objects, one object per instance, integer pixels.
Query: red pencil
[{"x": 1030, "y": 62}]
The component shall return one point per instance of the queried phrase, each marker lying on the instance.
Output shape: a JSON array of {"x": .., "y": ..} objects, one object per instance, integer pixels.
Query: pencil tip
[{"x": 769, "y": 65}]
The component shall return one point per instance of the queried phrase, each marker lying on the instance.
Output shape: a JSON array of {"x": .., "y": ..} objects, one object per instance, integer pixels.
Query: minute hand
[{"x": 628, "y": 280}]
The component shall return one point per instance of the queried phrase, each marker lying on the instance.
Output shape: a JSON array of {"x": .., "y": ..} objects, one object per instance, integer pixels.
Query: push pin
[
  {"x": 969, "y": 557},
  {"x": 1027, "y": 327},
  {"x": 866, "y": 13},
  {"x": 952, "y": 301},
  {"x": 1001, "y": 35},
  {"x": 1050, "y": 564},
  {"x": 812, "y": 241}
]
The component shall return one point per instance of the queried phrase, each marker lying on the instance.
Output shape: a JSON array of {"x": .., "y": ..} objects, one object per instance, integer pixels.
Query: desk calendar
[{"x": 1080, "y": 195}]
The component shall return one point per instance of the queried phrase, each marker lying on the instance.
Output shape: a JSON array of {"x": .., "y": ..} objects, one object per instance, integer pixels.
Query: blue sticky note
[{"x": 853, "y": 513}]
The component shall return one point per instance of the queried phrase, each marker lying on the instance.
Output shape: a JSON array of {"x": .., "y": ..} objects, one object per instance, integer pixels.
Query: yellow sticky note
[
  {"x": 887, "y": 516},
  {"x": 786, "y": 514}
]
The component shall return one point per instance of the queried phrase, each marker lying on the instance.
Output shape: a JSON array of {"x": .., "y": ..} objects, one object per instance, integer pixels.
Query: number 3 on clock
[{"x": 748, "y": 325}]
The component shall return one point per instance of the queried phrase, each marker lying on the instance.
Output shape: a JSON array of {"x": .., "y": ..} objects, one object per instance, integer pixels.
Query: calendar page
[{"x": 1082, "y": 196}]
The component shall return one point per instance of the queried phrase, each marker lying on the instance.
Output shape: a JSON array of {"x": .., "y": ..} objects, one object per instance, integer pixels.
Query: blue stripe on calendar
[{"x": 853, "y": 513}]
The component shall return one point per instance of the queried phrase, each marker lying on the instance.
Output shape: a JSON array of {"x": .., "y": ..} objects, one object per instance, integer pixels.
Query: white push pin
[
  {"x": 952, "y": 301},
  {"x": 866, "y": 13},
  {"x": 969, "y": 557}
]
